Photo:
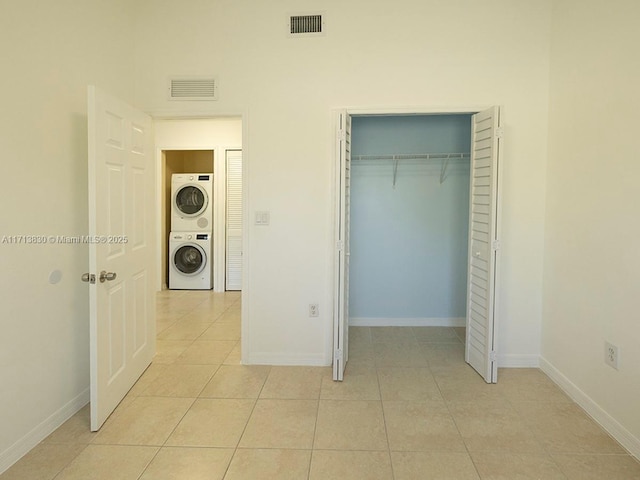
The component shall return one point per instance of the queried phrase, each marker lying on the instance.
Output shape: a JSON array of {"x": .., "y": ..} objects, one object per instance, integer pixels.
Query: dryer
[
  {"x": 190, "y": 261},
  {"x": 192, "y": 202}
]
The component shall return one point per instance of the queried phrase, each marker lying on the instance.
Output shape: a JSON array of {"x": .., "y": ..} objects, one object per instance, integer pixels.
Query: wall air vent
[
  {"x": 305, "y": 25},
  {"x": 193, "y": 88}
]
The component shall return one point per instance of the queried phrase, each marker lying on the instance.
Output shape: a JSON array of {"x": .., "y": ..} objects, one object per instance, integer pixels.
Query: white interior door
[
  {"x": 341, "y": 295},
  {"x": 234, "y": 220},
  {"x": 121, "y": 250},
  {"x": 484, "y": 246}
]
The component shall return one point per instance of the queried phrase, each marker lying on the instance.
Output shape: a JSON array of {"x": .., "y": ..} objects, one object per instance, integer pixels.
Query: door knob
[{"x": 107, "y": 276}]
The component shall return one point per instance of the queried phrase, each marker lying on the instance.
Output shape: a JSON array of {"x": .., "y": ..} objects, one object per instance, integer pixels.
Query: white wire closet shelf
[{"x": 442, "y": 157}]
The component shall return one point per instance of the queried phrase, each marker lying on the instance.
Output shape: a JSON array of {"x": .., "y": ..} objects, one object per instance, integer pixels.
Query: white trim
[
  {"x": 244, "y": 298},
  {"x": 41, "y": 431},
  {"x": 194, "y": 114},
  {"x": 444, "y": 110},
  {"x": 510, "y": 360},
  {"x": 595, "y": 411},
  {"x": 407, "y": 322},
  {"x": 319, "y": 360},
  {"x": 219, "y": 217}
]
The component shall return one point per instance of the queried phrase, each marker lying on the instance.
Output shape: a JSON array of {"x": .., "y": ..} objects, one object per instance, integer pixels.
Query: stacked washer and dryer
[{"x": 191, "y": 238}]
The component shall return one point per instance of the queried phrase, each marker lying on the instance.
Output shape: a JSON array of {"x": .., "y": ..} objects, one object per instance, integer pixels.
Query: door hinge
[
  {"x": 342, "y": 134},
  {"x": 338, "y": 354},
  {"x": 499, "y": 132},
  {"x": 495, "y": 245},
  {"x": 340, "y": 245},
  {"x": 492, "y": 356}
]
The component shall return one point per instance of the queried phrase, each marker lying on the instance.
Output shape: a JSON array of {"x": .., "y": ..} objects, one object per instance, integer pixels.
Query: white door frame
[
  {"x": 390, "y": 111},
  {"x": 204, "y": 115}
]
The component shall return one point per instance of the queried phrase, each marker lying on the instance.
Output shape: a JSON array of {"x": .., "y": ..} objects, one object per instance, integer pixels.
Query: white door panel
[
  {"x": 484, "y": 213},
  {"x": 121, "y": 223},
  {"x": 341, "y": 295},
  {"x": 234, "y": 220}
]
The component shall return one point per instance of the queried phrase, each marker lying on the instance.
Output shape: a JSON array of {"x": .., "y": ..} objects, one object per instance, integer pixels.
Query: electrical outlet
[
  {"x": 313, "y": 310},
  {"x": 611, "y": 355}
]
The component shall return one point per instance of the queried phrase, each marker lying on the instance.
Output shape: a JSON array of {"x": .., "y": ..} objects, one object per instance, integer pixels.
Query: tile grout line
[
  {"x": 244, "y": 429},
  {"x": 315, "y": 428},
  {"x": 57, "y": 475},
  {"x": 384, "y": 419},
  {"x": 453, "y": 419}
]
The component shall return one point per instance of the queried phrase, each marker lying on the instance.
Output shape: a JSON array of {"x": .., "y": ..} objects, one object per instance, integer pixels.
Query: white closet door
[
  {"x": 483, "y": 244},
  {"x": 234, "y": 220},
  {"x": 341, "y": 296}
]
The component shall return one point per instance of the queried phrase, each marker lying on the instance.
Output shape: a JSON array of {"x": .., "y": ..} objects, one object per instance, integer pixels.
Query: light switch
[{"x": 262, "y": 218}]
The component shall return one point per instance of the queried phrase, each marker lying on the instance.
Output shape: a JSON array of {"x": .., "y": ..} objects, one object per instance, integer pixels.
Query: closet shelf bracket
[
  {"x": 443, "y": 169},
  {"x": 395, "y": 170}
]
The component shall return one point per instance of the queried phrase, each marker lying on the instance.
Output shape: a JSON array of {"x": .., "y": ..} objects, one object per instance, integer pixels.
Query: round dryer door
[
  {"x": 189, "y": 259},
  {"x": 190, "y": 200}
]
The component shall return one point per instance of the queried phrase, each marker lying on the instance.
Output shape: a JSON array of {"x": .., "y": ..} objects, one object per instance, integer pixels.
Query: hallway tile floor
[{"x": 409, "y": 409}]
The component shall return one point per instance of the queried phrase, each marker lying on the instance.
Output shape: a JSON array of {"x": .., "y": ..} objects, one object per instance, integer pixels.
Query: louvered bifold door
[
  {"x": 483, "y": 244},
  {"x": 341, "y": 296},
  {"x": 234, "y": 221}
]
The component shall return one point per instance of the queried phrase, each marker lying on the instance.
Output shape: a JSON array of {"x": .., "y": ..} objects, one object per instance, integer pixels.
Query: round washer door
[
  {"x": 189, "y": 259},
  {"x": 190, "y": 200}
]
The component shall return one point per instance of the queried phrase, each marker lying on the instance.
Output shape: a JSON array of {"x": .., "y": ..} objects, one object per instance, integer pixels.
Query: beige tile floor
[{"x": 409, "y": 408}]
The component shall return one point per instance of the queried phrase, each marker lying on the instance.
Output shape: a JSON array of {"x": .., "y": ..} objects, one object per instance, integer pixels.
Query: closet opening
[
  {"x": 417, "y": 230},
  {"x": 409, "y": 220}
]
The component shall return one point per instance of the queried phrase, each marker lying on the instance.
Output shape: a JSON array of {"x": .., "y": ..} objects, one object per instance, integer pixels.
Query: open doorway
[{"x": 204, "y": 146}]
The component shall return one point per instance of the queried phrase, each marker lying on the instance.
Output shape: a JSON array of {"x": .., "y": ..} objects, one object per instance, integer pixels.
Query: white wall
[
  {"x": 591, "y": 285},
  {"x": 429, "y": 53},
  {"x": 50, "y": 52}
]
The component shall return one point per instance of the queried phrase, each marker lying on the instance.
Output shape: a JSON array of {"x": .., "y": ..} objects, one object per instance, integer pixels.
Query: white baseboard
[
  {"x": 16, "y": 451},
  {"x": 407, "y": 322},
  {"x": 518, "y": 361},
  {"x": 288, "y": 360},
  {"x": 606, "y": 421}
]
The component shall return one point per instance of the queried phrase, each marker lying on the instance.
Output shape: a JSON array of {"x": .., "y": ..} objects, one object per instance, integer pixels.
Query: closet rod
[
  {"x": 445, "y": 157},
  {"x": 412, "y": 156}
]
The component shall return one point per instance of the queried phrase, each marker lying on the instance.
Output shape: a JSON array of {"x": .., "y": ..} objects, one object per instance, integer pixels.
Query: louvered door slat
[
  {"x": 234, "y": 221},
  {"x": 480, "y": 348}
]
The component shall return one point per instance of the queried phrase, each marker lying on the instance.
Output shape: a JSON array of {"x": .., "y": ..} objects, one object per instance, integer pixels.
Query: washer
[
  {"x": 190, "y": 261},
  {"x": 192, "y": 202}
]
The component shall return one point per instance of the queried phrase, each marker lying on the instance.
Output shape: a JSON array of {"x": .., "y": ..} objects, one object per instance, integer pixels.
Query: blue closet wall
[{"x": 409, "y": 243}]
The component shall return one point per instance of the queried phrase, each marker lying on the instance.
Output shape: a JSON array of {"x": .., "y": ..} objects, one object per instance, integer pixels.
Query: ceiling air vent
[
  {"x": 193, "y": 88},
  {"x": 303, "y": 25}
]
